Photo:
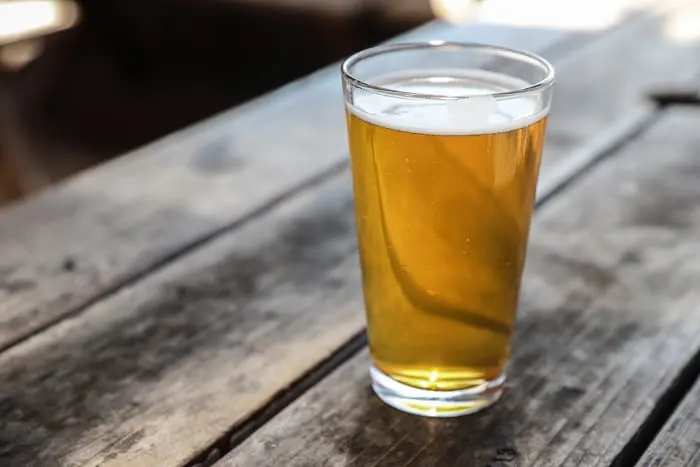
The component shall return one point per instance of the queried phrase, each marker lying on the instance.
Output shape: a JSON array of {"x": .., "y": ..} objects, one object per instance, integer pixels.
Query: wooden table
[{"x": 198, "y": 301}]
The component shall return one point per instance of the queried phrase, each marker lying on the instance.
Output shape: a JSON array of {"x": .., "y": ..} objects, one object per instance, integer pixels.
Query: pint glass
[{"x": 445, "y": 143}]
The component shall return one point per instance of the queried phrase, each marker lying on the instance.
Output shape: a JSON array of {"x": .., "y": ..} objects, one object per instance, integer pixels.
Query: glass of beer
[{"x": 445, "y": 142}]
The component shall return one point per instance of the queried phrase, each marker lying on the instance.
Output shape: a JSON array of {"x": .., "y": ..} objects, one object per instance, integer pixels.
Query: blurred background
[{"x": 84, "y": 81}]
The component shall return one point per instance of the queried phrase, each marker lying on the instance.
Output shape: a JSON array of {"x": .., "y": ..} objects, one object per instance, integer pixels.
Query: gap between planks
[
  {"x": 581, "y": 160},
  {"x": 664, "y": 409},
  {"x": 575, "y": 165},
  {"x": 186, "y": 249},
  {"x": 649, "y": 440},
  {"x": 645, "y": 427},
  {"x": 334, "y": 344},
  {"x": 52, "y": 303},
  {"x": 578, "y": 162}
]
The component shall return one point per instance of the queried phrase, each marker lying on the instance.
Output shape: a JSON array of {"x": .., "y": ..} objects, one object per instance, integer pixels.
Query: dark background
[{"x": 132, "y": 71}]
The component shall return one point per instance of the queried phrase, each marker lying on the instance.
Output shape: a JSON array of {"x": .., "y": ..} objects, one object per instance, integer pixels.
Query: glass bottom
[{"x": 430, "y": 403}]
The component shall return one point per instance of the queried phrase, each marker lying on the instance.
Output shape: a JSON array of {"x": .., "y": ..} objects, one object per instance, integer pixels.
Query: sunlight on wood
[
  {"x": 683, "y": 29},
  {"x": 573, "y": 15}
]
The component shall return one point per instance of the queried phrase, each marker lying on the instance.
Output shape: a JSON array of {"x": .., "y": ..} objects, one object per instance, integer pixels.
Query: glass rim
[{"x": 357, "y": 57}]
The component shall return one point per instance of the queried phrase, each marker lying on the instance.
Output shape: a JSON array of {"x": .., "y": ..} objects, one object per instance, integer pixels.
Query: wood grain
[
  {"x": 114, "y": 224},
  {"x": 170, "y": 363},
  {"x": 678, "y": 442},
  {"x": 610, "y": 314},
  {"x": 160, "y": 370},
  {"x": 606, "y": 80},
  {"x": 139, "y": 358},
  {"x": 85, "y": 238}
]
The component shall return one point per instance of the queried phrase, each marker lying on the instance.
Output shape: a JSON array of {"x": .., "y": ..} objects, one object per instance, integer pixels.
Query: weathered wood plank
[
  {"x": 164, "y": 367},
  {"x": 86, "y": 238},
  {"x": 168, "y": 365},
  {"x": 610, "y": 314},
  {"x": 678, "y": 442},
  {"x": 76, "y": 242},
  {"x": 607, "y": 91}
]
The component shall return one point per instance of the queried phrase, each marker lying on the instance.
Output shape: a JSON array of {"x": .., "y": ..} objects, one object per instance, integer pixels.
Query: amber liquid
[{"x": 443, "y": 222}]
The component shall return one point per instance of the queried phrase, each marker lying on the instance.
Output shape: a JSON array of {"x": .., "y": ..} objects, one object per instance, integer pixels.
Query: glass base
[{"x": 435, "y": 403}]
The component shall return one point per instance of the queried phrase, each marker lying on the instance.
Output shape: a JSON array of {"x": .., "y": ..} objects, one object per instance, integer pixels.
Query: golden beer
[{"x": 444, "y": 191}]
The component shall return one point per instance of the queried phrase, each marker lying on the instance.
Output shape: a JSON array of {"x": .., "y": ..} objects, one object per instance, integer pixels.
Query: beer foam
[{"x": 474, "y": 109}]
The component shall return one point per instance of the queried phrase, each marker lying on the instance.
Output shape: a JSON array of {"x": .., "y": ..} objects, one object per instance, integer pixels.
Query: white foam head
[{"x": 473, "y": 111}]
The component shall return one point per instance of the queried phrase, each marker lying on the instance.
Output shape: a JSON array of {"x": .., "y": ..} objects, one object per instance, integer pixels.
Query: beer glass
[{"x": 445, "y": 143}]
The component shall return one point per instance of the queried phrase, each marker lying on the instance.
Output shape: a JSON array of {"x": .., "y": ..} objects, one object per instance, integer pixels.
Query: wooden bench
[{"x": 198, "y": 300}]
